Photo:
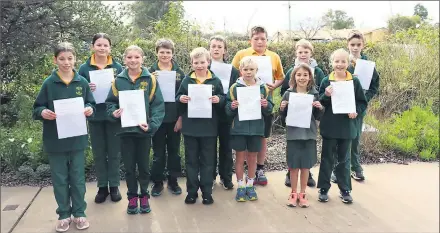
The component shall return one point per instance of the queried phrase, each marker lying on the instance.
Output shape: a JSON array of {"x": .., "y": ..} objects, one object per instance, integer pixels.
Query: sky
[{"x": 237, "y": 16}]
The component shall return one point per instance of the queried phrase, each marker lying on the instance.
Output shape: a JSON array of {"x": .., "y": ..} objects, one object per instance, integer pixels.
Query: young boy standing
[
  {"x": 200, "y": 134},
  {"x": 258, "y": 40}
]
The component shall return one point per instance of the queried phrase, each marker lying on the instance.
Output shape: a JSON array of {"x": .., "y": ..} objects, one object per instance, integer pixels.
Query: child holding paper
[
  {"x": 338, "y": 130},
  {"x": 66, "y": 156},
  {"x": 136, "y": 141},
  {"x": 303, "y": 50},
  {"x": 200, "y": 134},
  {"x": 218, "y": 49},
  {"x": 167, "y": 137},
  {"x": 105, "y": 145},
  {"x": 301, "y": 142},
  {"x": 246, "y": 134}
]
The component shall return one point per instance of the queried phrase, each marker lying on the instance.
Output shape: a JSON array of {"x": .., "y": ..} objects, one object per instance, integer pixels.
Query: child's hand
[
  {"x": 178, "y": 125},
  {"x": 88, "y": 111},
  {"x": 155, "y": 73},
  {"x": 48, "y": 114},
  {"x": 214, "y": 99},
  {"x": 317, "y": 104},
  {"x": 184, "y": 99},
  {"x": 283, "y": 104},
  {"x": 144, "y": 126},
  {"x": 352, "y": 115},
  {"x": 234, "y": 104},
  {"x": 263, "y": 103},
  {"x": 271, "y": 86},
  {"x": 92, "y": 87},
  {"x": 329, "y": 91},
  {"x": 117, "y": 113}
]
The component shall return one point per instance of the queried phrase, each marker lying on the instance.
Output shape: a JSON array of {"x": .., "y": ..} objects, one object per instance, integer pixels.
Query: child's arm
[
  {"x": 374, "y": 86},
  {"x": 157, "y": 109},
  {"x": 235, "y": 74},
  {"x": 266, "y": 111},
  {"x": 112, "y": 101},
  {"x": 317, "y": 112},
  {"x": 41, "y": 103},
  {"x": 283, "y": 111},
  {"x": 361, "y": 100},
  {"x": 230, "y": 97}
]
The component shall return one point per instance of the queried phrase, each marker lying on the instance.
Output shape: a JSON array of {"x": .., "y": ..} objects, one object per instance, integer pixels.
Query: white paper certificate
[
  {"x": 249, "y": 105},
  {"x": 199, "y": 106},
  {"x": 71, "y": 121},
  {"x": 103, "y": 81},
  {"x": 133, "y": 104},
  {"x": 264, "y": 68},
  {"x": 364, "y": 70},
  {"x": 299, "y": 112},
  {"x": 343, "y": 101},
  {"x": 167, "y": 83},
  {"x": 223, "y": 71}
]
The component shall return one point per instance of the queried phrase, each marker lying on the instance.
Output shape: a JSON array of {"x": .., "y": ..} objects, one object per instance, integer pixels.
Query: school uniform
[
  {"x": 165, "y": 139},
  {"x": 246, "y": 135},
  {"x": 105, "y": 144},
  {"x": 277, "y": 72},
  {"x": 200, "y": 136},
  {"x": 369, "y": 94},
  {"x": 136, "y": 143},
  {"x": 225, "y": 160},
  {"x": 301, "y": 149},
  {"x": 337, "y": 131},
  {"x": 66, "y": 156}
]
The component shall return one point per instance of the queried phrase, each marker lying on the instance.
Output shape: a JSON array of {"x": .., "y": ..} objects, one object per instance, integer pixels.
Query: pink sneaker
[
  {"x": 293, "y": 199},
  {"x": 303, "y": 202}
]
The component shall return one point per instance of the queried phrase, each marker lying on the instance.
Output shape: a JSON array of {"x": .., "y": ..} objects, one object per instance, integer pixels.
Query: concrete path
[{"x": 395, "y": 198}]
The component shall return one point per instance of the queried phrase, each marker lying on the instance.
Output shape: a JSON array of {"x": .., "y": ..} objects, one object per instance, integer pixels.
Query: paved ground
[{"x": 395, "y": 198}]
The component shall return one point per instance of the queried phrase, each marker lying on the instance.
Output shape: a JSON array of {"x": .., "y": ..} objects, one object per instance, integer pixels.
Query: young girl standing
[
  {"x": 66, "y": 156},
  {"x": 301, "y": 142},
  {"x": 338, "y": 130},
  {"x": 218, "y": 49},
  {"x": 136, "y": 141},
  {"x": 105, "y": 143}
]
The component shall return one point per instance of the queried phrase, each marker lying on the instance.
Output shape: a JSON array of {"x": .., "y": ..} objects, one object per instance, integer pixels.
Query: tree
[
  {"x": 421, "y": 11},
  {"x": 146, "y": 13},
  {"x": 309, "y": 27},
  {"x": 337, "y": 19},
  {"x": 402, "y": 23}
]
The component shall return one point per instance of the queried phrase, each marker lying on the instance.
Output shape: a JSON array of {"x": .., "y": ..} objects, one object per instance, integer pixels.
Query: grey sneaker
[
  {"x": 345, "y": 197},
  {"x": 359, "y": 176},
  {"x": 323, "y": 195}
]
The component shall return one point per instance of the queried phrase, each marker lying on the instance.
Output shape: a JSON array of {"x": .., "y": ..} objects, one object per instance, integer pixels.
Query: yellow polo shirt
[{"x": 277, "y": 68}]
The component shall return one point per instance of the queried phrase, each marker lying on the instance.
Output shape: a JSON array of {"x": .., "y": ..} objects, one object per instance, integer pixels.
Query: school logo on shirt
[
  {"x": 79, "y": 91},
  {"x": 143, "y": 85}
]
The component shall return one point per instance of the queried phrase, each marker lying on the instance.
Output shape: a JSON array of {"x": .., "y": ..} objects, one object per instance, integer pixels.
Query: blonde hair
[
  {"x": 355, "y": 34},
  {"x": 199, "y": 52},
  {"x": 247, "y": 61},
  {"x": 64, "y": 47},
  {"x": 305, "y": 44},
  {"x": 339, "y": 51},
  {"x": 135, "y": 48},
  {"x": 292, "y": 80}
]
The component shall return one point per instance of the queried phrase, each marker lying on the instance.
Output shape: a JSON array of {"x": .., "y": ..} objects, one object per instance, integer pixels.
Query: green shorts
[
  {"x": 267, "y": 125},
  {"x": 246, "y": 143}
]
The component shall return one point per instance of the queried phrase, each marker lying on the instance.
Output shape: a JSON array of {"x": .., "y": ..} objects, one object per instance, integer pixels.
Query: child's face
[
  {"x": 302, "y": 77},
  {"x": 355, "y": 46},
  {"x": 133, "y": 60},
  {"x": 65, "y": 61},
  {"x": 303, "y": 54},
  {"x": 164, "y": 55},
  {"x": 217, "y": 50},
  {"x": 200, "y": 64},
  {"x": 340, "y": 62},
  {"x": 101, "y": 47},
  {"x": 248, "y": 72},
  {"x": 259, "y": 42}
]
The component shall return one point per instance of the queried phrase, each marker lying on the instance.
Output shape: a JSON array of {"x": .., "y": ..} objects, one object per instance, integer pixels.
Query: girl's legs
[
  {"x": 128, "y": 150},
  {"x": 302, "y": 196},
  {"x": 293, "y": 197}
]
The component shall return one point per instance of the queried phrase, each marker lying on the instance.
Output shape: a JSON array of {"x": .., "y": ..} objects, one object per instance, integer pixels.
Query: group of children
[{"x": 166, "y": 121}]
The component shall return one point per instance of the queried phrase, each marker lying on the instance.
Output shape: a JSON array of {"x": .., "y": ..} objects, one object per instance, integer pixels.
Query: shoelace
[
  {"x": 261, "y": 172},
  {"x": 133, "y": 201}
]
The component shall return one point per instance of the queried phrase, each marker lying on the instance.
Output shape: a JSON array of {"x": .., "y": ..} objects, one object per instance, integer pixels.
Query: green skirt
[{"x": 301, "y": 153}]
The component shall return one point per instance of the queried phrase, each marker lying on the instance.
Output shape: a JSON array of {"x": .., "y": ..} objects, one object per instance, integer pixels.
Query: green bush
[{"x": 414, "y": 132}]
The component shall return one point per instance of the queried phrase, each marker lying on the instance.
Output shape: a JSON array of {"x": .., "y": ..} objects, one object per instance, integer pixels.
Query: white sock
[
  {"x": 250, "y": 182},
  {"x": 241, "y": 183}
]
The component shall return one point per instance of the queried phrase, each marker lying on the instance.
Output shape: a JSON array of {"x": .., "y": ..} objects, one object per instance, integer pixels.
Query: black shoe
[
  {"x": 207, "y": 199},
  {"x": 227, "y": 184},
  {"x": 115, "y": 195},
  {"x": 311, "y": 182},
  {"x": 157, "y": 189},
  {"x": 345, "y": 197},
  {"x": 359, "y": 176},
  {"x": 102, "y": 194},
  {"x": 174, "y": 187},
  {"x": 287, "y": 181},
  {"x": 191, "y": 198},
  {"x": 323, "y": 195},
  {"x": 333, "y": 178}
]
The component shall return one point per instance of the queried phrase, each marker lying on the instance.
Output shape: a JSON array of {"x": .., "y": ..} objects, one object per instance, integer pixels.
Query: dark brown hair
[
  {"x": 292, "y": 81},
  {"x": 101, "y": 35},
  {"x": 164, "y": 43},
  {"x": 257, "y": 29},
  {"x": 221, "y": 39},
  {"x": 64, "y": 47}
]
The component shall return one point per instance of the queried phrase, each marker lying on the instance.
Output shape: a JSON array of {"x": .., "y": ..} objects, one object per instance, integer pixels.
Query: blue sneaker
[
  {"x": 241, "y": 194},
  {"x": 251, "y": 194}
]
